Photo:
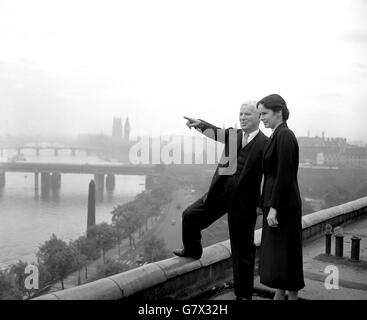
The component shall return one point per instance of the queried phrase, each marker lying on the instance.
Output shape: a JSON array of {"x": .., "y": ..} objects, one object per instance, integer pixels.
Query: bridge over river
[
  {"x": 51, "y": 172},
  {"x": 104, "y": 174}
]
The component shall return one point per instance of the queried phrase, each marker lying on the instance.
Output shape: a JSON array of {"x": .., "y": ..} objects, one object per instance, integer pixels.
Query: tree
[
  {"x": 8, "y": 286},
  {"x": 127, "y": 217},
  {"x": 80, "y": 260},
  {"x": 104, "y": 235},
  {"x": 88, "y": 251},
  {"x": 161, "y": 195},
  {"x": 57, "y": 257},
  {"x": 110, "y": 268},
  {"x": 146, "y": 206},
  {"x": 45, "y": 277},
  {"x": 119, "y": 227},
  {"x": 18, "y": 271},
  {"x": 143, "y": 203},
  {"x": 155, "y": 249}
]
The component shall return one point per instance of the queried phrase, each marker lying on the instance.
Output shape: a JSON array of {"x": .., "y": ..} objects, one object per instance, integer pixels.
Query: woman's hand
[{"x": 272, "y": 218}]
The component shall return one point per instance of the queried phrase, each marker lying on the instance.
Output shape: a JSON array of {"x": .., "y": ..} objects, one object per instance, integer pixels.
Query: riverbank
[{"x": 159, "y": 227}]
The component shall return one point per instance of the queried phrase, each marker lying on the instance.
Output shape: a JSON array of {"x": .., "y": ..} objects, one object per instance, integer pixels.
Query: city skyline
[{"x": 119, "y": 130}]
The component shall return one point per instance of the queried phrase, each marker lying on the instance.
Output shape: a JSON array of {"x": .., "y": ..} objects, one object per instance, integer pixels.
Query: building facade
[{"x": 331, "y": 152}]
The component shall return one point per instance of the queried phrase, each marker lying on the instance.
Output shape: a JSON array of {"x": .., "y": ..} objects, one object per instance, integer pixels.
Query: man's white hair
[{"x": 250, "y": 103}]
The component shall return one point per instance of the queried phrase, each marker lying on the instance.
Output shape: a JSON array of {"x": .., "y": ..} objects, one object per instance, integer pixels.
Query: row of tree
[
  {"x": 56, "y": 258},
  {"x": 134, "y": 216}
]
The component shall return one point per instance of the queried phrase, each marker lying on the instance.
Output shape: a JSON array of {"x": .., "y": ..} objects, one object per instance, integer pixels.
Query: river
[{"x": 27, "y": 220}]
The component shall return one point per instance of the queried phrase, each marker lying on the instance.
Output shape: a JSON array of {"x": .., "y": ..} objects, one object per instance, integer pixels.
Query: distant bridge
[
  {"x": 37, "y": 148},
  {"x": 84, "y": 168}
]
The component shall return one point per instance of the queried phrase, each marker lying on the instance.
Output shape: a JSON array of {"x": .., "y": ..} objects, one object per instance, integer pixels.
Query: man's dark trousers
[{"x": 202, "y": 214}]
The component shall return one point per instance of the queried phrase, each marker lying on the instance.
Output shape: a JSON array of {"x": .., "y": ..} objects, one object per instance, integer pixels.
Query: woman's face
[{"x": 270, "y": 118}]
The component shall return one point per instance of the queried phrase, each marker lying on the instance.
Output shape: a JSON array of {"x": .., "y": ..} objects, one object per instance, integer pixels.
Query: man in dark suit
[{"x": 235, "y": 189}]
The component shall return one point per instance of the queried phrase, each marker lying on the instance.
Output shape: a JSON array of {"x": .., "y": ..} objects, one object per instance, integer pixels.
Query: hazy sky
[{"x": 69, "y": 67}]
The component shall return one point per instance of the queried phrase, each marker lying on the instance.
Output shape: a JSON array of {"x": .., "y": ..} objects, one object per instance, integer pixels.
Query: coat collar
[
  {"x": 282, "y": 125},
  {"x": 271, "y": 139}
]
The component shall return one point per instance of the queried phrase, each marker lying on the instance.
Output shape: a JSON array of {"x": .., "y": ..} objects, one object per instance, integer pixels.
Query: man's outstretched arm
[{"x": 207, "y": 129}]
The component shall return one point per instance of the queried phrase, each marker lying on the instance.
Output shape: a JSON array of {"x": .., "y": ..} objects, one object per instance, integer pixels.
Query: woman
[{"x": 281, "y": 243}]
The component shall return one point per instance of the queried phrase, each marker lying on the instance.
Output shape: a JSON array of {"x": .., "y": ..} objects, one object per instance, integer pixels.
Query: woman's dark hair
[{"x": 275, "y": 103}]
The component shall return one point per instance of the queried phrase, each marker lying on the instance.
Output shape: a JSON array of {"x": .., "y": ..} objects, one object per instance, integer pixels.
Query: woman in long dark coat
[{"x": 281, "y": 261}]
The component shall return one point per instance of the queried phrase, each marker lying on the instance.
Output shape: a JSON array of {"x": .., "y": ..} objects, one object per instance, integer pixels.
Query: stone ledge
[
  {"x": 213, "y": 254},
  {"x": 138, "y": 279},
  {"x": 49, "y": 296},
  {"x": 327, "y": 215},
  {"x": 102, "y": 289},
  {"x": 177, "y": 266}
]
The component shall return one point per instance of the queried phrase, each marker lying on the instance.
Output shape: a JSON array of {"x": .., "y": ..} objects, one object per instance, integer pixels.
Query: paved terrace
[
  {"x": 183, "y": 278},
  {"x": 352, "y": 275}
]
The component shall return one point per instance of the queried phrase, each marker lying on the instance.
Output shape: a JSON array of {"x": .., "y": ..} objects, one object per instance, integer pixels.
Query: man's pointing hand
[{"x": 192, "y": 122}]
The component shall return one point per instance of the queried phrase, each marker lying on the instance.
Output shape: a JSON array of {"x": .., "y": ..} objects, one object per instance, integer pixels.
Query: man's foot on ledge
[{"x": 184, "y": 253}]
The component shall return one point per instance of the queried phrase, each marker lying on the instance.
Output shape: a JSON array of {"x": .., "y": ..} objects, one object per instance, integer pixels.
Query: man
[{"x": 236, "y": 193}]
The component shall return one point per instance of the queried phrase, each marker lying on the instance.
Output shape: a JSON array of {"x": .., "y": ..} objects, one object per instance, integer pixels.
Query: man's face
[{"x": 249, "y": 118}]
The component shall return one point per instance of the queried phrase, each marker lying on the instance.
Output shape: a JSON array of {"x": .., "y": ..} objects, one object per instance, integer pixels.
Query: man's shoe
[{"x": 185, "y": 254}]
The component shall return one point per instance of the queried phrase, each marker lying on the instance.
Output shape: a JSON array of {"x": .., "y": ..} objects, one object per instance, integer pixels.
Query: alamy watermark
[
  {"x": 182, "y": 149},
  {"x": 31, "y": 281},
  {"x": 332, "y": 280}
]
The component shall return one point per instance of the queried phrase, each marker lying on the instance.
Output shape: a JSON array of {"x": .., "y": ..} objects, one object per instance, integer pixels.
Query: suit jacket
[
  {"x": 247, "y": 193},
  {"x": 280, "y": 166}
]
